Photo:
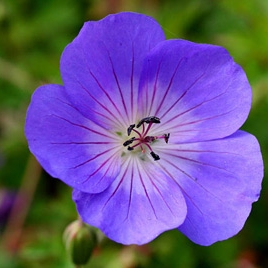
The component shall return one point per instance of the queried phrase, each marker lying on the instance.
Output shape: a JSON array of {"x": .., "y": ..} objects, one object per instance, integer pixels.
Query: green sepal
[{"x": 80, "y": 241}]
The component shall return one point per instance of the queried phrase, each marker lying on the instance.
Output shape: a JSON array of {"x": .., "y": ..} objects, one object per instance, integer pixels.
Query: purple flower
[{"x": 146, "y": 132}]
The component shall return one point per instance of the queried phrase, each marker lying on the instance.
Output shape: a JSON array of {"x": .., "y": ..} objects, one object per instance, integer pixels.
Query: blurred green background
[{"x": 33, "y": 33}]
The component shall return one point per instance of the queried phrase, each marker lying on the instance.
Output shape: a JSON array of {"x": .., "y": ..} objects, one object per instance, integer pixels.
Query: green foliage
[{"x": 33, "y": 35}]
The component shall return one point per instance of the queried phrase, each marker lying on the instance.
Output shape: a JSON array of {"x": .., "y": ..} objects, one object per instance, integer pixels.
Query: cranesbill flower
[{"x": 146, "y": 132}]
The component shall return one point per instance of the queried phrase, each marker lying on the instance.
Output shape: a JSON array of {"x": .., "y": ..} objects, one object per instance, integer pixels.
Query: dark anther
[
  {"x": 130, "y": 148},
  {"x": 130, "y": 129},
  {"x": 149, "y": 119},
  {"x": 166, "y": 136},
  {"x": 126, "y": 143},
  {"x": 155, "y": 156}
]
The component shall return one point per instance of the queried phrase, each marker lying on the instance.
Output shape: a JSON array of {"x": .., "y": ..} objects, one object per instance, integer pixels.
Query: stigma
[{"x": 142, "y": 140}]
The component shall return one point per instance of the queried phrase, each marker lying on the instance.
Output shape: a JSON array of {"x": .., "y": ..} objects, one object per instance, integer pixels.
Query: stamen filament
[
  {"x": 138, "y": 133},
  {"x": 147, "y": 130},
  {"x": 150, "y": 148},
  {"x": 130, "y": 148}
]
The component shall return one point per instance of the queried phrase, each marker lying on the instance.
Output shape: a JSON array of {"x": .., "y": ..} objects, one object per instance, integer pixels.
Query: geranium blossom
[{"x": 146, "y": 132}]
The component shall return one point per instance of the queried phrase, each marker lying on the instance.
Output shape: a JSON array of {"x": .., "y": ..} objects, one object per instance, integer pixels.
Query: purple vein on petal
[
  {"x": 203, "y": 151},
  {"x": 117, "y": 121},
  {"x": 130, "y": 190},
  {"x": 118, "y": 186},
  {"x": 196, "y": 161},
  {"x": 144, "y": 188},
  {"x": 82, "y": 142},
  {"x": 132, "y": 82},
  {"x": 182, "y": 171},
  {"x": 194, "y": 107},
  {"x": 195, "y": 179},
  {"x": 102, "y": 88},
  {"x": 155, "y": 87},
  {"x": 120, "y": 90},
  {"x": 183, "y": 191},
  {"x": 84, "y": 127},
  {"x": 181, "y": 97},
  {"x": 168, "y": 87},
  {"x": 102, "y": 166},
  {"x": 118, "y": 85},
  {"x": 66, "y": 103},
  {"x": 194, "y": 122},
  {"x": 95, "y": 157},
  {"x": 92, "y": 111},
  {"x": 157, "y": 189},
  {"x": 204, "y": 119}
]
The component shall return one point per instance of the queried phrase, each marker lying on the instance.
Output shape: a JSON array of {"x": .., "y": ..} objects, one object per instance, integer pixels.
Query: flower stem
[{"x": 20, "y": 208}]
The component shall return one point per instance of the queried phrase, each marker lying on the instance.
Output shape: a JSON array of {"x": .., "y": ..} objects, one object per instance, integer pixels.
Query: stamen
[
  {"x": 155, "y": 156},
  {"x": 142, "y": 139},
  {"x": 130, "y": 128},
  {"x": 166, "y": 137},
  {"x": 149, "y": 119},
  {"x": 150, "y": 139},
  {"x": 126, "y": 143}
]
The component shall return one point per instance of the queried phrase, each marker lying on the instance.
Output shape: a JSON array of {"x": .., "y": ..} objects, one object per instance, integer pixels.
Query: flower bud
[{"x": 80, "y": 240}]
